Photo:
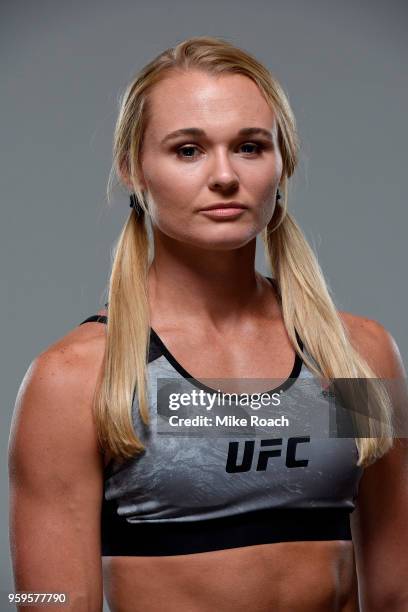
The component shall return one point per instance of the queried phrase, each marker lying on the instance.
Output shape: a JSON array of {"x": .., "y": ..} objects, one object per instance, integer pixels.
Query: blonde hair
[{"x": 303, "y": 294}]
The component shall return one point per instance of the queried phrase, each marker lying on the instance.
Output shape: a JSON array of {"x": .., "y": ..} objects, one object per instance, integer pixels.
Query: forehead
[{"x": 214, "y": 103}]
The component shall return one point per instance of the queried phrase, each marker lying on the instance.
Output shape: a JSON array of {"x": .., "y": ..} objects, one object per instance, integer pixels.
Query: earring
[
  {"x": 278, "y": 195},
  {"x": 134, "y": 203}
]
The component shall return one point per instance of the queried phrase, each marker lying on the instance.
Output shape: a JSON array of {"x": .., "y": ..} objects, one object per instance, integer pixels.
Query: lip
[
  {"x": 223, "y": 205},
  {"x": 227, "y": 212}
]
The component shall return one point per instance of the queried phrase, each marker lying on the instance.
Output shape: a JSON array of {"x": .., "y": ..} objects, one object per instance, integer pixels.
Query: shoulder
[
  {"x": 75, "y": 359},
  {"x": 375, "y": 344},
  {"x": 375, "y": 524},
  {"x": 83, "y": 346},
  {"x": 55, "y": 397}
]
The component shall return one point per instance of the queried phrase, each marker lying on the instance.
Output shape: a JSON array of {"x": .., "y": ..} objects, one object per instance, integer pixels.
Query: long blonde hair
[{"x": 304, "y": 296}]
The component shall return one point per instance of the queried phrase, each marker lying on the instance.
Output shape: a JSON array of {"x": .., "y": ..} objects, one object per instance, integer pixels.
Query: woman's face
[{"x": 184, "y": 173}]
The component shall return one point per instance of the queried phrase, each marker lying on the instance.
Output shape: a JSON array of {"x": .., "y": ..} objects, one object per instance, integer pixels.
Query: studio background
[{"x": 64, "y": 66}]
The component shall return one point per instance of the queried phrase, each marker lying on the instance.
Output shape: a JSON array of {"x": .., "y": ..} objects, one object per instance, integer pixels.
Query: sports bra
[{"x": 188, "y": 493}]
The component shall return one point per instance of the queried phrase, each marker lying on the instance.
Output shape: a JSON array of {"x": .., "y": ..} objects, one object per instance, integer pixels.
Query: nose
[{"x": 223, "y": 174}]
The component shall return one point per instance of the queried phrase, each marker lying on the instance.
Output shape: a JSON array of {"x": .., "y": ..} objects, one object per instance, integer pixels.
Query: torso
[
  {"x": 287, "y": 576},
  {"x": 281, "y": 577}
]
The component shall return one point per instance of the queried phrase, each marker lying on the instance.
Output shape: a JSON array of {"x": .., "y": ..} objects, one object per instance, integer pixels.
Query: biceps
[
  {"x": 380, "y": 530},
  {"x": 55, "y": 544}
]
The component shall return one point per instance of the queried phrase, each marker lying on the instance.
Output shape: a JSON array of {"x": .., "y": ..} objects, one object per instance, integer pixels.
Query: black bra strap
[{"x": 96, "y": 318}]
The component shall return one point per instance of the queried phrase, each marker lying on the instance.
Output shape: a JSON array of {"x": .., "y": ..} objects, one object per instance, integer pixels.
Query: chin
[
  {"x": 223, "y": 236},
  {"x": 223, "y": 242}
]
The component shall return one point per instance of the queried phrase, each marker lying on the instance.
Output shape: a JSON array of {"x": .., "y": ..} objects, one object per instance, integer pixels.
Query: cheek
[
  {"x": 263, "y": 189},
  {"x": 171, "y": 196},
  {"x": 262, "y": 178},
  {"x": 264, "y": 192},
  {"x": 171, "y": 187}
]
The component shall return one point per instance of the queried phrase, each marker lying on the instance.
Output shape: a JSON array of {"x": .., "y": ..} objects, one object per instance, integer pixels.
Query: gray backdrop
[{"x": 63, "y": 64}]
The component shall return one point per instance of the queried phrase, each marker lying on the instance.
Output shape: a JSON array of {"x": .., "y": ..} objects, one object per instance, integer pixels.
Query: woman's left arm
[{"x": 379, "y": 524}]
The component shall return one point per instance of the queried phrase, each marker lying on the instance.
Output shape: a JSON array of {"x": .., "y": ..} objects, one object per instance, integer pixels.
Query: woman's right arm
[{"x": 56, "y": 481}]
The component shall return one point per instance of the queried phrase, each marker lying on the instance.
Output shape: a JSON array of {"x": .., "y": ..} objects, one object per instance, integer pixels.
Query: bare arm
[
  {"x": 56, "y": 482},
  {"x": 380, "y": 522}
]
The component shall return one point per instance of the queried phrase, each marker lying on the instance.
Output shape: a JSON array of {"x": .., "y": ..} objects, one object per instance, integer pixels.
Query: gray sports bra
[{"x": 212, "y": 487}]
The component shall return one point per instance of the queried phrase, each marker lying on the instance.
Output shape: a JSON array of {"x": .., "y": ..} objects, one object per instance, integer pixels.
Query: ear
[{"x": 125, "y": 178}]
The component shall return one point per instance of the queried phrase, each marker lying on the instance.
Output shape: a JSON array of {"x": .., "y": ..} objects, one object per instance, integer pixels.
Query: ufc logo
[{"x": 272, "y": 448}]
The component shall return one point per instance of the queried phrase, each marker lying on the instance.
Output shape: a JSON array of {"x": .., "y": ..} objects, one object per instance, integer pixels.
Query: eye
[
  {"x": 260, "y": 146},
  {"x": 185, "y": 148}
]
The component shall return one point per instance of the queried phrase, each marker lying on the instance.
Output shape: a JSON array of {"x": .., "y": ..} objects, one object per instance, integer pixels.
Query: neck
[{"x": 218, "y": 288}]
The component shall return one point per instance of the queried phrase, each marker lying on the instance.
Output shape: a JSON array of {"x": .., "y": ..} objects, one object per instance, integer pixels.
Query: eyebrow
[{"x": 193, "y": 131}]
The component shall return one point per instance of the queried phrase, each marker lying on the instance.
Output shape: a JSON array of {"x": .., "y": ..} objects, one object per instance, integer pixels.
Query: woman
[{"x": 206, "y": 142}]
